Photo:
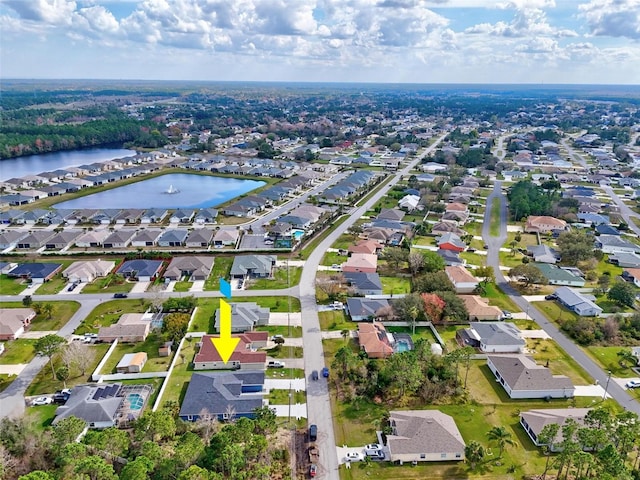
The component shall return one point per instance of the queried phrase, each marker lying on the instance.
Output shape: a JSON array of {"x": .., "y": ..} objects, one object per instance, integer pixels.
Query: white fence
[{"x": 96, "y": 377}]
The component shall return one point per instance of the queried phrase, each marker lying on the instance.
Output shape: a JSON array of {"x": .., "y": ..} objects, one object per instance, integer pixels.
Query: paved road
[
  {"x": 625, "y": 211},
  {"x": 614, "y": 389}
]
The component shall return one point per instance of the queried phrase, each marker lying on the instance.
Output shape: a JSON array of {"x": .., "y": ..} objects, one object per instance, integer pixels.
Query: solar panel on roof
[{"x": 96, "y": 396}]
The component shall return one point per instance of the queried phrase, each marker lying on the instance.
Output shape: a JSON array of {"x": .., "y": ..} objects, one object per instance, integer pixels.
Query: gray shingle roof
[
  {"x": 522, "y": 373},
  {"x": 424, "y": 431},
  {"x": 497, "y": 333}
]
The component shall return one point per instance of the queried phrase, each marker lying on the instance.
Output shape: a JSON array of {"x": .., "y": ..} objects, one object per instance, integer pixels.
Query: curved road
[{"x": 494, "y": 243}]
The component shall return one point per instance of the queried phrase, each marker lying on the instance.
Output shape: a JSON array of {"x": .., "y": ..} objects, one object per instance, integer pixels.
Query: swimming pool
[
  {"x": 297, "y": 234},
  {"x": 135, "y": 401},
  {"x": 401, "y": 346}
]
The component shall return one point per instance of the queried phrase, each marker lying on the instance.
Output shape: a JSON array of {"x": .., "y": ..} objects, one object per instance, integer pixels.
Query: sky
[{"x": 382, "y": 41}]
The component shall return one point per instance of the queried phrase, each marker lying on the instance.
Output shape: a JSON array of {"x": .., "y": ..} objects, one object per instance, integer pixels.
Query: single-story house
[
  {"x": 36, "y": 272},
  {"x": 94, "y": 238},
  {"x": 146, "y": 238},
  {"x": 450, "y": 258},
  {"x": 223, "y": 395},
  {"x": 200, "y": 238},
  {"x": 479, "y": 309},
  {"x": 559, "y": 276},
  {"x": 613, "y": 244},
  {"x": 97, "y": 405},
  {"x": 462, "y": 279},
  {"x": 10, "y": 238},
  {"x": 206, "y": 215},
  {"x": 196, "y": 268},
  {"x": 391, "y": 214},
  {"x": 424, "y": 436},
  {"x": 182, "y": 215},
  {"x": 365, "y": 309},
  {"x": 361, "y": 262},
  {"x": 140, "y": 269},
  {"x": 132, "y": 362},
  {"x": 632, "y": 275},
  {"x": 492, "y": 337},
  {"x": 119, "y": 239},
  {"x": 245, "y": 316},
  {"x": 442, "y": 228},
  {"x": 521, "y": 377},
  {"x": 88, "y": 270},
  {"x": 62, "y": 239},
  {"x": 13, "y": 322},
  {"x": 370, "y": 247},
  {"x": 34, "y": 240},
  {"x": 577, "y": 302},
  {"x": 154, "y": 215},
  {"x": 246, "y": 355},
  {"x": 625, "y": 260},
  {"x": 409, "y": 202},
  {"x": 533, "y": 421},
  {"x": 543, "y": 254},
  {"x": 173, "y": 238},
  {"x": 226, "y": 237},
  {"x": 364, "y": 283},
  {"x": 374, "y": 340},
  {"x": 252, "y": 266},
  {"x": 130, "y": 327},
  {"x": 451, "y": 241},
  {"x": 544, "y": 224}
]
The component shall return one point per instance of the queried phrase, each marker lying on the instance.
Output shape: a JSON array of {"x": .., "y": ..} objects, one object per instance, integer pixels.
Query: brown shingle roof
[{"x": 209, "y": 353}]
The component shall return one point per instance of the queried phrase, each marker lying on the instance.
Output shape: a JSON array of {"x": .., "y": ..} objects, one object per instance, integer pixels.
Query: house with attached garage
[
  {"x": 452, "y": 242},
  {"x": 93, "y": 239},
  {"x": 14, "y": 321},
  {"x": 146, "y": 238},
  {"x": 88, "y": 271},
  {"x": 544, "y": 224},
  {"x": 196, "y": 268},
  {"x": 632, "y": 275},
  {"x": 130, "y": 327},
  {"x": 62, "y": 239},
  {"x": 534, "y": 421},
  {"x": 361, "y": 262},
  {"x": 245, "y": 316},
  {"x": 200, "y": 238},
  {"x": 543, "y": 254},
  {"x": 365, "y": 309},
  {"x": 626, "y": 260},
  {"x": 479, "y": 309},
  {"x": 577, "y": 302},
  {"x": 154, "y": 215},
  {"x": 374, "y": 340},
  {"x": 206, "y": 215},
  {"x": 364, "y": 283},
  {"x": 223, "y": 395},
  {"x": 142, "y": 270},
  {"x": 615, "y": 244},
  {"x": 119, "y": 239},
  {"x": 424, "y": 436},
  {"x": 246, "y": 356},
  {"x": 226, "y": 238},
  {"x": 559, "y": 276},
  {"x": 492, "y": 337},
  {"x": 10, "y": 238},
  {"x": 173, "y": 238},
  {"x": 521, "y": 377},
  {"x": 34, "y": 240},
  {"x": 462, "y": 279},
  {"x": 36, "y": 272},
  {"x": 252, "y": 266},
  {"x": 182, "y": 215}
]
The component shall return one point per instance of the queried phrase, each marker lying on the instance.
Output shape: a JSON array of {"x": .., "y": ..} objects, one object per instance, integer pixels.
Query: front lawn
[
  {"x": 282, "y": 279},
  {"x": 11, "y": 286},
  {"x": 498, "y": 298},
  {"x": 154, "y": 363},
  {"x": 554, "y": 311},
  {"x": 333, "y": 258},
  {"x": 53, "y": 286},
  {"x": 296, "y": 332},
  {"x": 284, "y": 373},
  {"x": 203, "y": 319},
  {"x": 549, "y": 353},
  {"x": 284, "y": 351},
  {"x": 335, "y": 320},
  {"x": 182, "y": 286},
  {"x": 509, "y": 259},
  {"x": 110, "y": 284},
  {"x": 281, "y": 397},
  {"x": 221, "y": 268},
  {"x": 608, "y": 359},
  {"x": 108, "y": 313},
  {"x": 18, "y": 351},
  {"x": 5, "y": 381},
  {"x": 61, "y": 314}
]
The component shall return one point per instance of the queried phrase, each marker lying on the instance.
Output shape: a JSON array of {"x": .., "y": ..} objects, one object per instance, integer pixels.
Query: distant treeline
[{"x": 20, "y": 140}]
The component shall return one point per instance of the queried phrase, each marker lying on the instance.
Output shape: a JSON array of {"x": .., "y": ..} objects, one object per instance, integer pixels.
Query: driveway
[
  {"x": 535, "y": 334},
  {"x": 297, "y": 411},
  {"x": 12, "y": 369},
  {"x": 283, "y": 319},
  {"x": 140, "y": 287},
  {"x": 296, "y": 384}
]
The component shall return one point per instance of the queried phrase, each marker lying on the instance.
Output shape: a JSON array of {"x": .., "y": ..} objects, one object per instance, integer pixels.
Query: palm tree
[
  {"x": 501, "y": 436},
  {"x": 474, "y": 452},
  {"x": 627, "y": 359}
]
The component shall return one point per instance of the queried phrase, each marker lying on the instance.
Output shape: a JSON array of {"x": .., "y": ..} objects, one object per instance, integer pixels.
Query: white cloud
[
  {"x": 56, "y": 12},
  {"x": 613, "y": 18},
  {"x": 527, "y": 22}
]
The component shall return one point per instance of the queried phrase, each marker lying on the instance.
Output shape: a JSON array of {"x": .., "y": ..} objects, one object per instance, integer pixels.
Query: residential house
[
  {"x": 544, "y": 224},
  {"x": 462, "y": 279},
  {"x": 10, "y": 238},
  {"x": 534, "y": 421},
  {"x": 450, "y": 258},
  {"x": 605, "y": 229},
  {"x": 577, "y": 302},
  {"x": 253, "y": 266},
  {"x": 625, "y": 260},
  {"x": 370, "y": 247},
  {"x": 632, "y": 275},
  {"x": 409, "y": 202},
  {"x": 35, "y": 240},
  {"x": 88, "y": 270},
  {"x": 223, "y": 395},
  {"x": 119, "y": 239},
  {"x": 492, "y": 337},
  {"x": 62, "y": 239},
  {"x": 365, "y": 309},
  {"x": 424, "y": 436},
  {"x": 14, "y": 321},
  {"x": 97, "y": 405},
  {"x": 245, "y": 316},
  {"x": 154, "y": 215},
  {"x": 479, "y": 309},
  {"x": 513, "y": 175},
  {"x": 206, "y": 215},
  {"x": 173, "y": 238},
  {"x": 36, "y": 272},
  {"x": 246, "y": 355},
  {"x": 146, "y": 238},
  {"x": 374, "y": 340},
  {"x": 615, "y": 244},
  {"x": 442, "y": 228},
  {"x": 459, "y": 218},
  {"x": 361, "y": 262},
  {"x": 364, "y": 283},
  {"x": 132, "y": 362},
  {"x": 451, "y": 241},
  {"x": 130, "y": 328},
  {"x": 593, "y": 219},
  {"x": 140, "y": 269},
  {"x": 182, "y": 215},
  {"x": 559, "y": 276},
  {"x": 129, "y": 216},
  {"x": 456, "y": 207},
  {"x": 93, "y": 238},
  {"x": 226, "y": 238},
  {"x": 391, "y": 214},
  {"x": 521, "y": 377},
  {"x": 543, "y": 254},
  {"x": 195, "y": 268},
  {"x": 200, "y": 238}
]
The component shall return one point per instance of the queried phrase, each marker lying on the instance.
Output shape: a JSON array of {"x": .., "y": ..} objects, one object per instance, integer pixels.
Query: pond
[{"x": 188, "y": 191}]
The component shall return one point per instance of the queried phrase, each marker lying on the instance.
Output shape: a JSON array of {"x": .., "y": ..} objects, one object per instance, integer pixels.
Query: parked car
[
  {"x": 42, "y": 401},
  {"x": 550, "y": 297},
  {"x": 372, "y": 448},
  {"x": 325, "y": 372},
  {"x": 353, "y": 457},
  {"x": 275, "y": 364},
  {"x": 314, "y": 375},
  {"x": 275, "y": 337},
  {"x": 633, "y": 384},
  {"x": 313, "y": 432},
  {"x": 506, "y": 314},
  {"x": 120, "y": 295},
  {"x": 337, "y": 305},
  {"x": 72, "y": 287},
  {"x": 313, "y": 470},
  {"x": 60, "y": 399}
]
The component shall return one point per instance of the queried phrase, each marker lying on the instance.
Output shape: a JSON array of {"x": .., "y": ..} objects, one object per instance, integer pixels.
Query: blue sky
[{"x": 421, "y": 41}]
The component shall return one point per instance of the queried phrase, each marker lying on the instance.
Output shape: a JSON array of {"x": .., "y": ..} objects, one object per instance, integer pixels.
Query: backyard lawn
[
  {"x": 154, "y": 363},
  {"x": 108, "y": 313},
  {"x": 393, "y": 285},
  {"x": 178, "y": 382}
]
